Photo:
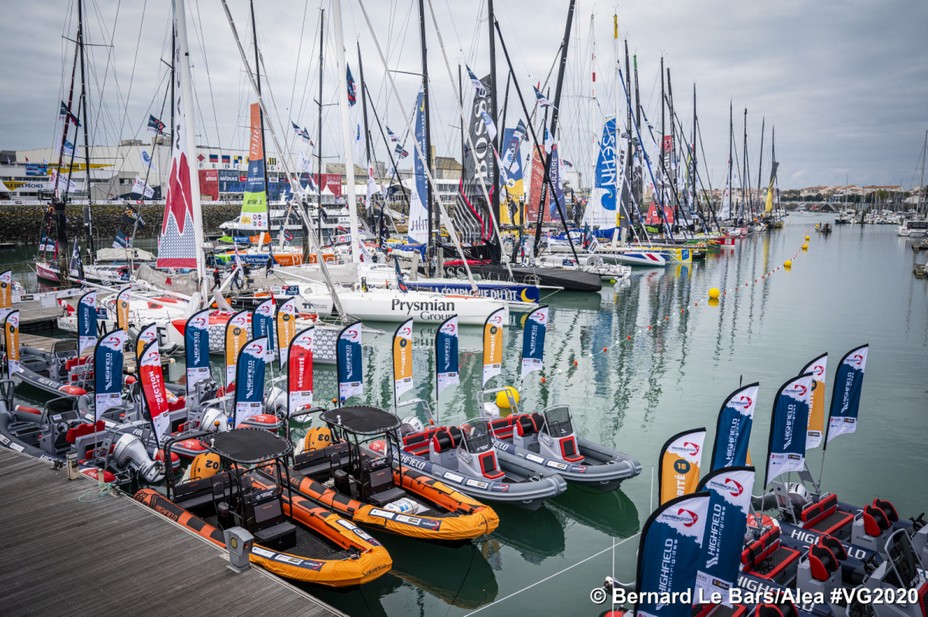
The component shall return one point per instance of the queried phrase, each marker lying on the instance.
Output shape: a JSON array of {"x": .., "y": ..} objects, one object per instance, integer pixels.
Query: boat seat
[
  {"x": 376, "y": 482},
  {"x": 502, "y": 427},
  {"x": 767, "y": 558},
  {"x": 834, "y": 545},
  {"x": 324, "y": 459},
  {"x": 85, "y": 428},
  {"x": 822, "y": 562},
  {"x": 446, "y": 439},
  {"x": 875, "y": 521},
  {"x": 198, "y": 493},
  {"x": 526, "y": 425},
  {"x": 823, "y": 516},
  {"x": 70, "y": 363},
  {"x": 888, "y": 509},
  {"x": 787, "y": 609}
]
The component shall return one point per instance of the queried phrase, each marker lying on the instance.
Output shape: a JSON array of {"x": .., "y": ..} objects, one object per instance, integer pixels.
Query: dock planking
[{"x": 114, "y": 556}]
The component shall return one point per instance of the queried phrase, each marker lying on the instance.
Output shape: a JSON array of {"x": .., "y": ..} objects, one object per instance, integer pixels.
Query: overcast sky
[{"x": 844, "y": 83}]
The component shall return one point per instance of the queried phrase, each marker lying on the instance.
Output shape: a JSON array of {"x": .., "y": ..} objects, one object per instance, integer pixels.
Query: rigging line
[
  {"x": 299, "y": 53},
  {"x": 209, "y": 79},
  {"x": 96, "y": 128},
  {"x": 135, "y": 58}
]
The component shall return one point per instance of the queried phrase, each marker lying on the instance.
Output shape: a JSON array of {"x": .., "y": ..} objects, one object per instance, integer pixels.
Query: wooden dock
[{"x": 67, "y": 551}]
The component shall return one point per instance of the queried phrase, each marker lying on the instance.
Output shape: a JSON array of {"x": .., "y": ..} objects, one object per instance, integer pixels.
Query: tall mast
[
  {"x": 744, "y": 164},
  {"x": 267, "y": 184},
  {"x": 630, "y": 162},
  {"x": 921, "y": 182},
  {"x": 319, "y": 128},
  {"x": 639, "y": 196},
  {"x": 433, "y": 212},
  {"x": 494, "y": 192},
  {"x": 662, "y": 171},
  {"x": 760, "y": 161},
  {"x": 367, "y": 137},
  {"x": 88, "y": 209},
  {"x": 694, "y": 203},
  {"x": 731, "y": 142}
]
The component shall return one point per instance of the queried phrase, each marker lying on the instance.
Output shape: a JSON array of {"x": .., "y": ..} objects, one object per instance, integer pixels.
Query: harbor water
[{"x": 648, "y": 358}]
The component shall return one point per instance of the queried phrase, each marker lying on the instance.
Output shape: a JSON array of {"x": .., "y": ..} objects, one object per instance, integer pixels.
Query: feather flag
[
  {"x": 107, "y": 371},
  {"x": 493, "y": 345},
  {"x": 402, "y": 360},
  {"x": 155, "y": 393},
  {"x": 679, "y": 464},
  {"x": 196, "y": 349},
  {"x": 816, "y": 430},
  {"x": 845, "y": 399},
  {"x": 249, "y": 380},
  {"x": 446, "y": 354},
  {"x": 533, "y": 340},
  {"x": 786, "y": 450},
  {"x": 348, "y": 362},
  {"x": 300, "y": 371}
]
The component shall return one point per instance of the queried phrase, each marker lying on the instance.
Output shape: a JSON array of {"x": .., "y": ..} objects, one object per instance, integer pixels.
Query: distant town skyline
[{"x": 844, "y": 84}]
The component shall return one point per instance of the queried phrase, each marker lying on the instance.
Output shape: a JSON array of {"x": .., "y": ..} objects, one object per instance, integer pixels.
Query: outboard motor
[
  {"x": 276, "y": 401},
  {"x": 130, "y": 452}
]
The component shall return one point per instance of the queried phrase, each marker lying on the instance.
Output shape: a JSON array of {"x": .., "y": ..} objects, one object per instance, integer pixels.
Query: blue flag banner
[
  {"x": 600, "y": 212},
  {"x": 733, "y": 430},
  {"x": 556, "y": 177},
  {"x": 262, "y": 324},
  {"x": 533, "y": 340},
  {"x": 348, "y": 362},
  {"x": 352, "y": 89},
  {"x": 845, "y": 399},
  {"x": 787, "y": 448},
  {"x": 196, "y": 349},
  {"x": 446, "y": 354},
  {"x": 729, "y": 501},
  {"x": 86, "y": 322},
  {"x": 668, "y": 555},
  {"x": 249, "y": 380},
  {"x": 107, "y": 372}
]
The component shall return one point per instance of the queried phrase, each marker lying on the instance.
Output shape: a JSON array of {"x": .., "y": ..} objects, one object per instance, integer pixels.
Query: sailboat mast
[
  {"x": 744, "y": 166},
  {"x": 662, "y": 171},
  {"x": 731, "y": 141},
  {"x": 88, "y": 214},
  {"x": 639, "y": 188},
  {"x": 760, "y": 162},
  {"x": 694, "y": 203},
  {"x": 319, "y": 128},
  {"x": 367, "y": 137},
  {"x": 267, "y": 184},
  {"x": 921, "y": 182},
  {"x": 433, "y": 213},
  {"x": 630, "y": 161},
  {"x": 494, "y": 191}
]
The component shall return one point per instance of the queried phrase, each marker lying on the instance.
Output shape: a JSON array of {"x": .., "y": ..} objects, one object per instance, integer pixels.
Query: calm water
[{"x": 852, "y": 287}]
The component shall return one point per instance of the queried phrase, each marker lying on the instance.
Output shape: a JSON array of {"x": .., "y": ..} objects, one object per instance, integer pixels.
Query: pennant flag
[
  {"x": 479, "y": 89},
  {"x": 668, "y": 555},
  {"x": 236, "y": 337},
  {"x": 249, "y": 380},
  {"x": 533, "y": 340},
  {"x": 845, "y": 399},
  {"x": 140, "y": 188},
  {"x": 286, "y": 327},
  {"x": 541, "y": 99},
  {"x": 67, "y": 149},
  {"x": 400, "y": 151},
  {"x": 392, "y": 136},
  {"x": 122, "y": 309},
  {"x": 679, "y": 464},
  {"x": 491, "y": 126},
  {"x": 733, "y": 429},
  {"x": 446, "y": 354},
  {"x": 226, "y": 159},
  {"x": 122, "y": 241},
  {"x": 493, "y": 345},
  {"x": 213, "y": 158},
  {"x": 300, "y": 371},
  {"x": 196, "y": 349},
  {"x": 146, "y": 335},
  {"x": 154, "y": 390},
  {"x": 107, "y": 372},
  {"x": 146, "y": 158},
  {"x": 132, "y": 217},
  {"x": 64, "y": 112},
  {"x": 402, "y": 360},
  {"x": 11, "y": 341},
  {"x": 86, "y": 322},
  {"x": 76, "y": 264},
  {"x": 786, "y": 451},
  {"x": 816, "y": 430},
  {"x": 155, "y": 126},
  {"x": 6, "y": 289},
  {"x": 352, "y": 89},
  {"x": 348, "y": 362},
  {"x": 720, "y": 559},
  {"x": 262, "y": 325}
]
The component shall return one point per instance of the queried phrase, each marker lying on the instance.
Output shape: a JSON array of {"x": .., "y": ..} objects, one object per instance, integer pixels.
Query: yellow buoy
[
  {"x": 807, "y": 238},
  {"x": 503, "y": 396},
  {"x": 805, "y": 246},
  {"x": 788, "y": 263},
  {"x": 714, "y": 293}
]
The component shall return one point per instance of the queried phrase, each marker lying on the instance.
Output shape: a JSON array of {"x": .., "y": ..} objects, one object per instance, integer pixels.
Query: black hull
[{"x": 568, "y": 280}]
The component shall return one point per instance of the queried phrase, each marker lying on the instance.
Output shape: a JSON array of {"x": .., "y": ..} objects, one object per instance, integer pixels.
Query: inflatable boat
[
  {"x": 336, "y": 470},
  {"x": 294, "y": 537},
  {"x": 548, "y": 439},
  {"x": 59, "y": 372}
]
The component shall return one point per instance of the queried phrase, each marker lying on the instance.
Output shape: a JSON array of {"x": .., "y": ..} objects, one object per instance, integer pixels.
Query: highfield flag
[
  {"x": 122, "y": 309},
  {"x": 720, "y": 559},
  {"x": 254, "y": 199},
  {"x": 196, "y": 349},
  {"x": 262, "y": 325},
  {"x": 786, "y": 451},
  {"x": 668, "y": 557},
  {"x": 6, "y": 290},
  {"x": 446, "y": 354},
  {"x": 300, "y": 371},
  {"x": 11, "y": 341},
  {"x": 146, "y": 335},
  {"x": 818, "y": 367},
  {"x": 348, "y": 362},
  {"x": 402, "y": 360},
  {"x": 493, "y": 345},
  {"x": 154, "y": 390},
  {"x": 533, "y": 340},
  {"x": 679, "y": 464},
  {"x": 236, "y": 337},
  {"x": 733, "y": 431},
  {"x": 418, "y": 226},
  {"x": 107, "y": 371},
  {"x": 86, "y": 322},
  {"x": 845, "y": 399},
  {"x": 286, "y": 327},
  {"x": 249, "y": 380}
]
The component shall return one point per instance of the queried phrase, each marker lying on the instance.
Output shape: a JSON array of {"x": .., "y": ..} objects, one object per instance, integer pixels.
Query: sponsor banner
[
  {"x": 402, "y": 360},
  {"x": 86, "y": 322},
  {"x": 600, "y": 212},
  {"x": 107, "y": 371},
  {"x": 254, "y": 200},
  {"x": 668, "y": 555},
  {"x": 816, "y": 430},
  {"x": 286, "y": 327},
  {"x": 6, "y": 289},
  {"x": 446, "y": 354},
  {"x": 196, "y": 349},
  {"x": 146, "y": 335},
  {"x": 533, "y": 340},
  {"x": 236, "y": 337},
  {"x": 493, "y": 345},
  {"x": 262, "y": 325},
  {"x": 786, "y": 451},
  {"x": 845, "y": 399},
  {"x": 511, "y": 293},
  {"x": 249, "y": 380},
  {"x": 418, "y": 222},
  {"x": 154, "y": 390},
  {"x": 679, "y": 464},
  {"x": 733, "y": 431},
  {"x": 300, "y": 371},
  {"x": 348, "y": 362},
  {"x": 11, "y": 341},
  {"x": 122, "y": 309},
  {"x": 729, "y": 501}
]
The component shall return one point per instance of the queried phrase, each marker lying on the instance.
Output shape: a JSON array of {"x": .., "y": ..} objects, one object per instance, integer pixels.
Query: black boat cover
[
  {"x": 362, "y": 420},
  {"x": 249, "y": 446}
]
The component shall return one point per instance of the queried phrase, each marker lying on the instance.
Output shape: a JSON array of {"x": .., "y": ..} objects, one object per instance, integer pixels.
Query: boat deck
[
  {"x": 66, "y": 553},
  {"x": 45, "y": 343}
]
